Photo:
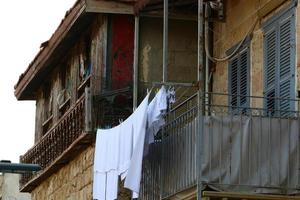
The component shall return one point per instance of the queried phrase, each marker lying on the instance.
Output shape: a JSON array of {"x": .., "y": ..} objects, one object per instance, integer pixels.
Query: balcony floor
[{"x": 84, "y": 140}]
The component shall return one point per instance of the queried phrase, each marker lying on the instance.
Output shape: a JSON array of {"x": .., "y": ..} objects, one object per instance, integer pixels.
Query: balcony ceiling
[{"x": 76, "y": 20}]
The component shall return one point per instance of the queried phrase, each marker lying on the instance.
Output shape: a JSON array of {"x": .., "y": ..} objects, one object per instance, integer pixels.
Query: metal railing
[
  {"x": 56, "y": 140},
  {"x": 111, "y": 107},
  {"x": 244, "y": 148}
]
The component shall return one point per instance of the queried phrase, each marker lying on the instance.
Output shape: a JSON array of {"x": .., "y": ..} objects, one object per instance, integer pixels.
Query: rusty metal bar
[
  {"x": 199, "y": 133},
  {"x": 174, "y": 84},
  {"x": 136, "y": 61}
]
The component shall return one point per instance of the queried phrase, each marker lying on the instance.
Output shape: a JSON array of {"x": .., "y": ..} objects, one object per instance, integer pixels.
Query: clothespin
[
  {"x": 150, "y": 89},
  {"x": 157, "y": 90}
]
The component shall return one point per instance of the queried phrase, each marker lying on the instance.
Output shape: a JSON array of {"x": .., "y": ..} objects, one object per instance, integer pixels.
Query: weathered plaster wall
[
  {"x": 240, "y": 16},
  {"x": 182, "y": 65},
  {"x": 1, "y": 184},
  {"x": 71, "y": 182},
  {"x": 9, "y": 187}
]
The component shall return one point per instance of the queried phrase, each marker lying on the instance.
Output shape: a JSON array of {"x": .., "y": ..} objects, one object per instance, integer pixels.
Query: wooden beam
[
  {"x": 172, "y": 15},
  {"x": 248, "y": 196},
  {"x": 100, "y": 6},
  {"x": 88, "y": 110}
]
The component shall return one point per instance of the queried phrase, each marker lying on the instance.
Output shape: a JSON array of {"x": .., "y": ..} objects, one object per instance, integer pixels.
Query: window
[
  {"x": 279, "y": 64},
  {"x": 48, "y": 107},
  {"x": 239, "y": 80}
]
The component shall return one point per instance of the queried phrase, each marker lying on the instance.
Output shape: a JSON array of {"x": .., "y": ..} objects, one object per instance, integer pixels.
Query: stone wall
[
  {"x": 71, "y": 182},
  {"x": 74, "y": 181}
]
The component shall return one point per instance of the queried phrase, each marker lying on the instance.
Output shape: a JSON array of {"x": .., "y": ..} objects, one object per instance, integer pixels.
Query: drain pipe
[
  {"x": 208, "y": 63},
  {"x": 18, "y": 168}
]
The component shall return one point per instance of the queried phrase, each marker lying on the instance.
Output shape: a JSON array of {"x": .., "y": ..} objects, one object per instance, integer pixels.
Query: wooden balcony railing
[{"x": 55, "y": 146}]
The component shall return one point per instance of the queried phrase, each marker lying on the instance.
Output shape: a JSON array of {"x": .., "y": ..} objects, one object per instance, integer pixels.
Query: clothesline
[{"x": 119, "y": 151}]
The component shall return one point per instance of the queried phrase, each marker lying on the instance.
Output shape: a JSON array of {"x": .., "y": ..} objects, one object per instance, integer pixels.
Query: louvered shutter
[
  {"x": 270, "y": 71},
  {"x": 233, "y": 66},
  {"x": 279, "y": 65},
  {"x": 239, "y": 81},
  {"x": 286, "y": 65},
  {"x": 244, "y": 79}
]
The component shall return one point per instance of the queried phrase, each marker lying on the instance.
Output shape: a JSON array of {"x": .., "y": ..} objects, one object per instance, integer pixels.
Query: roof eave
[{"x": 26, "y": 86}]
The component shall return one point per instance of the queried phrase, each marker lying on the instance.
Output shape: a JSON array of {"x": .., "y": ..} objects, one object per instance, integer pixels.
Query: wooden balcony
[
  {"x": 75, "y": 131},
  {"x": 64, "y": 140}
]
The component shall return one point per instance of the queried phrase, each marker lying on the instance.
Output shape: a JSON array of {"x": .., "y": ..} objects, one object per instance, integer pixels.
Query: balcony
[
  {"x": 61, "y": 142},
  {"x": 72, "y": 132},
  {"x": 241, "y": 149}
]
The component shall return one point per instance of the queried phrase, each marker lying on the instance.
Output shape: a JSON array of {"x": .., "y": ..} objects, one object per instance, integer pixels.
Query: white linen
[
  {"x": 107, "y": 143},
  {"x": 156, "y": 111},
  {"x": 117, "y": 153},
  {"x": 119, "y": 150},
  {"x": 126, "y": 146},
  {"x": 105, "y": 185},
  {"x": 139, "y": 119},
  {"x": 106, "y": 167}
]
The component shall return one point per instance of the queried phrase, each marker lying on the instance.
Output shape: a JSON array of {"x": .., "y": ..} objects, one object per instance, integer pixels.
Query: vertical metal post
[
  {"x": 165, "y": 69},
  {"x": 88, "y": 110},
  {"x": 199, "y": 101},
  {"x": 165, "y": 40},
  {"x": 136, "y": 61}
]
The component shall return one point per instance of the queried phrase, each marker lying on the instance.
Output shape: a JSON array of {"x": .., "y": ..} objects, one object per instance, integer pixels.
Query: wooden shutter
[
  {"x": 244, "y": 79},
  {"x": 286, "y": 65},
  {"x": 279, "y": 65},
  {"x": 233, "y": 66},
  {"x": 239, "y": 81},
  {"x": 270, "y": 71}
]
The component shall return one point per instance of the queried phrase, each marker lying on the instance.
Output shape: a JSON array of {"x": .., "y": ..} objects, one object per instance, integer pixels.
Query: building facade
[{"x": 233, "y": 131}]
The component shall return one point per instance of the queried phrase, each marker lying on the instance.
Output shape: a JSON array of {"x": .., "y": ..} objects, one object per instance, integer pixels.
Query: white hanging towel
[
  {"x": 126, "y": 146},
  {"x": 116, "y": 153},
  {"x": 133, "y": 177},
  {"x": 106, "y": 164}
]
